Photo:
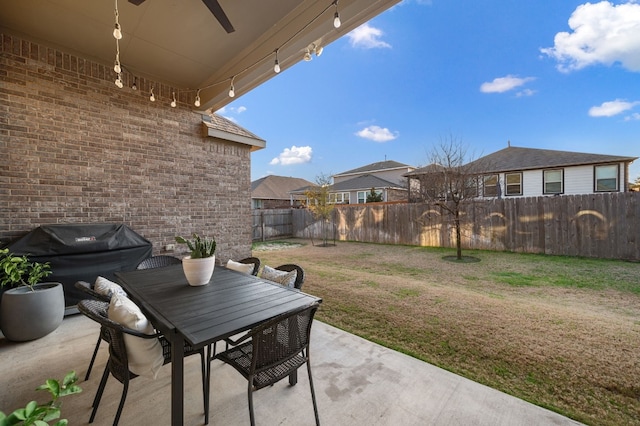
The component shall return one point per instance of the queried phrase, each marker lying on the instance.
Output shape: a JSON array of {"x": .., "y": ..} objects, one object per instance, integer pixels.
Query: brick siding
[{"x": 76, "y": 149}]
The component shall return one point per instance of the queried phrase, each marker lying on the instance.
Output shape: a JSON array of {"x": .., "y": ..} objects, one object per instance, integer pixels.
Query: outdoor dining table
[{"x": 231, "y": 303}]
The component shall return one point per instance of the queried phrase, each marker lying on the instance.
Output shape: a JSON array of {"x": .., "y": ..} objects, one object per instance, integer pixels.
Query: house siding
[
  {"x": 577, "y": 180},
  {"x": 76, "y": 149}
]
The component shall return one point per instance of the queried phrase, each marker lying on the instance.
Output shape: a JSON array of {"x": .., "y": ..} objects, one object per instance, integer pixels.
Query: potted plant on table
[
  {"x": 31, "y": 308},
  {"x": 199, "y": 264}
]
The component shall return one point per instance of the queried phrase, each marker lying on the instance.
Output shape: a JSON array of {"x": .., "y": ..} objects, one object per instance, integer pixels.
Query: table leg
[{"x": 177, "y": 379}]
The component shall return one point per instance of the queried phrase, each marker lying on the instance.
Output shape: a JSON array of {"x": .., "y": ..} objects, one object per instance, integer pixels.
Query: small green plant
[
  {"x": 200, "y": 247},
  {"x": 41, "y": 414},
  {"x": 17, "y": 270}
]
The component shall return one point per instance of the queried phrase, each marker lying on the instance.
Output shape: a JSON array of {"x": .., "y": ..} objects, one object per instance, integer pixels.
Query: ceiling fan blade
[{"x": 216, "y": 9}]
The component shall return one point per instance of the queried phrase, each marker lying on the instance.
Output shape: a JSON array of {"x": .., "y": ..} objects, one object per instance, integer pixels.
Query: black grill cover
[{"x": 82, "y": 252}]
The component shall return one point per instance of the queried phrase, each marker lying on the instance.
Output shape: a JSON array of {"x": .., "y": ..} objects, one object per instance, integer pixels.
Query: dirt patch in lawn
[{"x": 561, "y": 333}]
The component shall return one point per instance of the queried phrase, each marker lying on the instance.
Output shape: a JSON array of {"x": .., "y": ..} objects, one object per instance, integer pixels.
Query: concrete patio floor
[{"x": 357, "y": 383}]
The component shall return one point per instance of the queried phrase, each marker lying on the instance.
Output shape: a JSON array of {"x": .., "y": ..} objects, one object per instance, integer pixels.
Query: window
[
  {"x": 362, "y": 197},
  {"x": 553, "y": 182},
  {"x": 606, "y": 178},
  {"x": 339, "y": 198},
  {"x": 257, "y": 204},
  {"x": 490, "y": 186},
  {"x": 513, "y": 183}
]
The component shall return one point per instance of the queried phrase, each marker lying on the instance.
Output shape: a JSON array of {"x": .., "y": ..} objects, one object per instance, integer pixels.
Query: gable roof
[
  {"x": 431, "y": 168},
  {"x": 515, "y": 158},
  {"x": 376, "y": 167},
  {"x": 363, "y": 182},
  {"x": 276, "y": 187},
  {"x": 220, "y": 127}
]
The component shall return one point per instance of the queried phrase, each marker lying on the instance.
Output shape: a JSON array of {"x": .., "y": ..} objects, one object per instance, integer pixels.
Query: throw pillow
[
  {"x": 145, "y": 355},
  {"x": 281, "y": 277},
  {"x": 108, "y": 288},
  {"x": 245, "y": 268}
]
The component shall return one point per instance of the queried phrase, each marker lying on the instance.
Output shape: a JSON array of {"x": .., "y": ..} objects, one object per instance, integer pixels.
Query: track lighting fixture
[
  {"x": 276, "y": 66},
  {"x": 151, "y": 97},
  {"x": 197, "y": 102},
  {"x": 336, "y": 16},
  {"x": 232, "y": 91},
  {"x": 173, "y": 102}
]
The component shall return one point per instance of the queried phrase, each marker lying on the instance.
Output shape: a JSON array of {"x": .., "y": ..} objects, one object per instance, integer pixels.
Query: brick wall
[{"x": 76, "y": 149}]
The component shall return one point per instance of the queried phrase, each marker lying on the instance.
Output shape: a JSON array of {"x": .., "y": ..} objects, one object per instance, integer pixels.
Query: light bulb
[
  {"x": 173, "y": 102},
  {"x": 117, "y": 32},
  {"x": 134, "y": 86},
  {"x": 197, "y": 102},
  {"x": 117, "y": 68},
  {"x": 307, "y": 56},
  {"x": 336, "y": 19},
  {"x": 151, "y": 97},
  {"x": 319, "y": 50},
  {"x": 276, "y": 67},
  {"x": 119, "y": 82},
  {"x": 232, "y": 92}
]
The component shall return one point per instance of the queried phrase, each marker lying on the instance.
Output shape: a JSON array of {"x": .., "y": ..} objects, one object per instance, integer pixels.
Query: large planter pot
[
  {"x": 28, "y": 315},
  {"x": 198, "y": 271}
]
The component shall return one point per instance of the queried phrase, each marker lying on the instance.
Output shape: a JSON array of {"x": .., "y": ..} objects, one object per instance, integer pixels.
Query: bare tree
[
  {"x": 450, "y": 180},
  {"x": 319, "y": 205}
]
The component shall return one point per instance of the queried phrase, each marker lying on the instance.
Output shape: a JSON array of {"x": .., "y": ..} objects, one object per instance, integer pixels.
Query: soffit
[{"x": 179, "y": 42}]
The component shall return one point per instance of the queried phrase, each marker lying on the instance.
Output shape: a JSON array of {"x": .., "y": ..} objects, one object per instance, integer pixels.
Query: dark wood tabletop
[{"x": 231, "y": 303}]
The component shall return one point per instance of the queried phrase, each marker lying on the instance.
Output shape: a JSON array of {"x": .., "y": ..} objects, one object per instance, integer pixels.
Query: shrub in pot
[
  {"x": 31, "y": 308},
  {"x": 199, "y": 264}
]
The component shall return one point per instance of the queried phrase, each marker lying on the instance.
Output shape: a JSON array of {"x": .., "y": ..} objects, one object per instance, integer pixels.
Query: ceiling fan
[{"x": 214, "y": 7}]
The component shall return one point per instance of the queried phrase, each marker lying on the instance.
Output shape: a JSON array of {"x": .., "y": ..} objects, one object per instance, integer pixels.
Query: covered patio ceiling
[{"x": 183, "y": 44}]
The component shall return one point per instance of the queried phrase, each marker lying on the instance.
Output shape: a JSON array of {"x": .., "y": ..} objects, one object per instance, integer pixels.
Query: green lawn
[{"x": 560, "y": 332}]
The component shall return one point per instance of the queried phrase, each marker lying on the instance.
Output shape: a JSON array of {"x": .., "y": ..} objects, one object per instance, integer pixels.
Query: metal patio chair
[
  {"x": 272, "y": 351},
  {"x": 118, "y": 364}
]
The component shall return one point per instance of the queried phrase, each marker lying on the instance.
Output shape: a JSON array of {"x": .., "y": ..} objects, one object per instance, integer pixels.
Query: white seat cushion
[
  {"x": 145, "y": 355},
  {"x": 245, "y": 268},
  {"x": 281, "y": 277},
  {"x": 108, "y": 288}
]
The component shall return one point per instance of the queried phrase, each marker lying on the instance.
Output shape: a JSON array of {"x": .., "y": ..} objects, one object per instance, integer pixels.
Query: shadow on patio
[{"x": 357, "y": 383}]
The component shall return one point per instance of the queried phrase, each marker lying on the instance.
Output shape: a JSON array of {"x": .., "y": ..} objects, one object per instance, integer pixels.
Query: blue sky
[{"x": 551, "y": 74}]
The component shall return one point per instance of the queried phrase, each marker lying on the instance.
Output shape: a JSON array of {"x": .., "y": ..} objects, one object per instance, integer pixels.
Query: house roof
[
  {"x": 431, "y": 168},
  {"x": 515, "y": 158},
  {"x": 223, "y": 128},
  {"x": 277, "y": 187},
  {"x": 376, "y": 167},
  {"x": 185, "y": 44},
  {"x": 363, "y": 182}
]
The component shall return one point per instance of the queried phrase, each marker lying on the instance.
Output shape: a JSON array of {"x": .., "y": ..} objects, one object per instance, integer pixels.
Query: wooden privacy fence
[
  {"x": 271, "y": 223},
  {"x": 593, "y": 225}
]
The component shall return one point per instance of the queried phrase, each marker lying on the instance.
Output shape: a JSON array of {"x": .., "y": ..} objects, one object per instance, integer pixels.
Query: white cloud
[
  {"x": 603, "y": 33},
  {"x": 525, "y": 92},
  {"x": 504, "y": 84},
  {"x": 293, "y": 155},
  {"x": 377, "y": 134},
  {"x": 611, "y": 108},
  {"x": 226, "y": 112},
  {"x": 367, "y": 37},
  {"x": 633, "y": 117}
]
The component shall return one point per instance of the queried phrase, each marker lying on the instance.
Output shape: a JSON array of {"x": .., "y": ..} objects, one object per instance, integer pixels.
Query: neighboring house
[
  {"x": 273, "y": 192},
  {"x": 530, "y": 172},
  {"x": 385, "y": 177}
]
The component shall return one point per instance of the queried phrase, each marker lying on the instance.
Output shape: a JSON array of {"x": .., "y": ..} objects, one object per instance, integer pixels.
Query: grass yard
[{"x": 562, "y": 333}]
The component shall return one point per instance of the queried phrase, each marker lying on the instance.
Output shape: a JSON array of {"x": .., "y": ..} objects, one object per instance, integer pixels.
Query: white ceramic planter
[
  {"x": 28, "y": 315},
  {"x": 198, "y": 271}
]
